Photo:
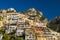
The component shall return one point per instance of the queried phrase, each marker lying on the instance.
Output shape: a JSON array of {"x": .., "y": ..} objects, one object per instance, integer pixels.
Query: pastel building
[
  {"x": 10, "y": 29},
  {"x": 19, "y": 31},
  {"x": 29, "y": 35},
  {"x": 27, "y": 25},
  {"x": 45, "y": 37}
]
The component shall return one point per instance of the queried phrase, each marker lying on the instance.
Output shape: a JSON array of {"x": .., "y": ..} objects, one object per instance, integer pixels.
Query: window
[{"x": 14, "y": 16}]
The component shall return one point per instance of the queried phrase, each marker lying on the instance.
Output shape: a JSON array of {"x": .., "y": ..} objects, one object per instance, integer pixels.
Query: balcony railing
[
  {"x": 14, "y": 17},
  {"x": 27, "y": 26},
  {"x": 13, "y": 21}
]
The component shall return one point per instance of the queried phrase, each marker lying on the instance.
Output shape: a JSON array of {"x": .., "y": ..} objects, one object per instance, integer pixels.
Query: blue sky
[{"x": 50, "y": 8}]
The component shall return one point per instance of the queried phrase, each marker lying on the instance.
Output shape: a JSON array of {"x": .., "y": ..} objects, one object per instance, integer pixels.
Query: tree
[
  {"x": 5, "y": 37},
  {"x": 42, "y": 18},
  {"x": 19, "y": 38},
  {"x": 12, "y": 37},
  {"x": 2, "y": 30}
]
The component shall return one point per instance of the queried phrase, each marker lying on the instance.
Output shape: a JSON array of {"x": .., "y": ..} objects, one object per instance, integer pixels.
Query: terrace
[{"x": 13, "y": 21}]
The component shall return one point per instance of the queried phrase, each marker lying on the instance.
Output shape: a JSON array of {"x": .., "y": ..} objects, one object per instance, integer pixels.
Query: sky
[{"x": 49, "y": 8}]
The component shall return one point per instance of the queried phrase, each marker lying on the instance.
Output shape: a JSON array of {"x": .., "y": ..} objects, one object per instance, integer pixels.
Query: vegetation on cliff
[{"x": 54, "y": 24}]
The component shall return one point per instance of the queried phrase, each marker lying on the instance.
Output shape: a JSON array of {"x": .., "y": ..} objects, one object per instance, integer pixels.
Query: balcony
[
  {"x": 14, "y": 16},
  {"x": 13, "y": 21},
  {"x": 12, "y": 27},
  {"x": 8, "y": 17},
  {"x": 27, "y": 26},
  {"x": 47, "y": 32},
  {"x": 21, "y": 26},
  {"x": 21, "y": 21}
]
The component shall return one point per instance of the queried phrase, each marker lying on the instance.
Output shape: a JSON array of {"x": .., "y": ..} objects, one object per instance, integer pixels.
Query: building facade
[{"x": 26, "y": 25}]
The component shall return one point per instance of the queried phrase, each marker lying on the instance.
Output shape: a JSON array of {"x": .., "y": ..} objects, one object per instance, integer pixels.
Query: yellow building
[
  {"x": 46, "y": 37},
  {"x": 41, "y": 37},
  {"x": 1, "y": 24},
  {"x": 2, "y": 17},
  {"x": 1, "y": 20}
]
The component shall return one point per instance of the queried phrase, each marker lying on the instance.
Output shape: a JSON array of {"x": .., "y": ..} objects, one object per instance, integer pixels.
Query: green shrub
[{"x": 42, "y": 18}]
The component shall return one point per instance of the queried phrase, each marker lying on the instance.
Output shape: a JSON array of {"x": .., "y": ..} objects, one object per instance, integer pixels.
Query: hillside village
[{"x": 27, "y": 25}]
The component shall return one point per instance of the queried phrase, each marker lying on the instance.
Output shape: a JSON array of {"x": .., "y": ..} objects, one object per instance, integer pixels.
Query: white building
[
  {"x": 19, "y": 31},
  {"x": 21, "y": 21},
  {"x": 1, "y": 36},
  {"x": 10, "y": 29},
  {"x": 11, "y": 9},
  {"x": 29, "y": 35},
  {"x": 14, "y": 16}
]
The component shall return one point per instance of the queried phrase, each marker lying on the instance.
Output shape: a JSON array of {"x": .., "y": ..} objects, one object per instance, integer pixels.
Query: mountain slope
[
  {"x": 35, "y": 15},
  {"x": 54, "y": 24}
]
